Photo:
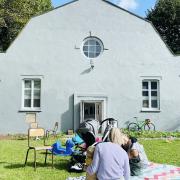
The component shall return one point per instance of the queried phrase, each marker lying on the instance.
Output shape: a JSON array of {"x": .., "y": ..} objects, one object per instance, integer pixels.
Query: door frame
[
  {"x": 88, "y": 98},
  {"x": 90, "y": 101}
]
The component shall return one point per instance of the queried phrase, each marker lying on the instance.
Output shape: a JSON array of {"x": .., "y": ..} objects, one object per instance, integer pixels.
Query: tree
[
  {"x": 166, "y": 19},
  {"x": 14, "y": 14}
]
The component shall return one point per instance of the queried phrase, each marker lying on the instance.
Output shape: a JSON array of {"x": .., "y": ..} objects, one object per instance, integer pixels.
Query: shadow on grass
[
  {"x": 14, "y": 166},
  {"x": 61, "y": 165},
  {"x": 3, "y": 162}
]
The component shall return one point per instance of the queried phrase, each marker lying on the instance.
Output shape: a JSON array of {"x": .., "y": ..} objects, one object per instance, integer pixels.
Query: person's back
[{"x": 110, "y": 162}]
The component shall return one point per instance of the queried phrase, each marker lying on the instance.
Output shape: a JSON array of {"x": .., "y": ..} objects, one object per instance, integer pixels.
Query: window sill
[
  {"x": 150, "y": 110},
  {"x": 30, "y": 110}
]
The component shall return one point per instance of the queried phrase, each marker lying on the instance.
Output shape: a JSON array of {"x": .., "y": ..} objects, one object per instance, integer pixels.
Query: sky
[{"x": 138, "y": 7}]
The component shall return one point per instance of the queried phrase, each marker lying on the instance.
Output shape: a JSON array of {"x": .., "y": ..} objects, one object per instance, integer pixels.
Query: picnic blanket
[
  {"x": 152, "y": 172},
  {"x": 159, "y": 172}
]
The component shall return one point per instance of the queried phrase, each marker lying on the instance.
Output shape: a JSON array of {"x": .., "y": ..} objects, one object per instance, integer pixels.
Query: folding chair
[
  {"x": 37, "y": 132},
  {"x": 53, "y": 131}
]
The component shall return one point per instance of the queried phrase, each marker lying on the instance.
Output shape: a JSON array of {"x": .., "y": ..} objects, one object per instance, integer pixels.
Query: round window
[{"x": 92, "y": 47}]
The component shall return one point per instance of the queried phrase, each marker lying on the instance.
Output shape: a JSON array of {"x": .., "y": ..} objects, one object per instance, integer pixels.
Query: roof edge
[
  {"x": 125, "y": 10},
  {"x": 175, "y": 55},
  {"x": 4, "y": 52},
  {"x": 73, "y": 1},
  {"x": 108, "y": 2},
  {"x": 167, "y": 46}
]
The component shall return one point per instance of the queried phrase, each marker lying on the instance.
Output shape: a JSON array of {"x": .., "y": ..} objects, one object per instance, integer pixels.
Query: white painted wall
[{"x": 46, "y": 48}]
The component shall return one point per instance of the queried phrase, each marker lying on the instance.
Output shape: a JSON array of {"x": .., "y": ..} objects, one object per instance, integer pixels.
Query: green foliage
[
  {"x": 166, "y": 18},
  {"x": 152, "y": 134},
  {"x": 14, "y": 14},
  {"x": 137, "y": 134}
]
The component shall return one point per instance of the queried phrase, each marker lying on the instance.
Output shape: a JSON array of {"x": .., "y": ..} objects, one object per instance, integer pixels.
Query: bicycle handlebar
[{"x": 110, "y": 120}]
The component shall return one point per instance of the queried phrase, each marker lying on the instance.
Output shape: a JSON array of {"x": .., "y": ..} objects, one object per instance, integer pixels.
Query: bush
[{"x": 152, "y": 134}]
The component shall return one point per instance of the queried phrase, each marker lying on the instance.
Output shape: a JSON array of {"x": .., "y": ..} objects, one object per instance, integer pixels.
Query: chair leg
[
  {"x": 52, "y": 159},
  {"x": 34, "y": 159},
  {"x": 26, "y": 157},
  {"x": 55, "y": 135},
  {"x": 47, "y": 134},
  {"x": 46, "y": 156}
]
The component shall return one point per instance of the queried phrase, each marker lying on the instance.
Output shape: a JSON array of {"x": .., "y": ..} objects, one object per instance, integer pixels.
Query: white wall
[{"x": 46, "y": 48}]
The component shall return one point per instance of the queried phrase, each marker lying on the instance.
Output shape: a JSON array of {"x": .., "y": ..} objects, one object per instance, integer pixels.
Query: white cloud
[{"x": 128, "y": 4}]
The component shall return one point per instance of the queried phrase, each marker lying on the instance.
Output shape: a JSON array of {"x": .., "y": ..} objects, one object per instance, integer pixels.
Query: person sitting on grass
[
  {"x": 110, "y": 161},
  {"x": 137, "y": 156}
]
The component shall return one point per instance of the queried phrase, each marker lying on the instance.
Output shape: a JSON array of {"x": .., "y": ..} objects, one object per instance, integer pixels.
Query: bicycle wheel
[
  {"x": 149, "y": 127},
  {"x": 133, "y": 127}
]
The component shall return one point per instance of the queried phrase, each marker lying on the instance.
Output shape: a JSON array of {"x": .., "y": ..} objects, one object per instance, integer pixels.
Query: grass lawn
[
  {"x": 12, "y": 156},
  {"x": 161, "y": 151}
]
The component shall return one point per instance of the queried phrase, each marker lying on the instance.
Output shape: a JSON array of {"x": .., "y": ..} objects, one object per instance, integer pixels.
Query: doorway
[
  {"x": 96, "y": 105},
  {"x": 91, "y": 110}
]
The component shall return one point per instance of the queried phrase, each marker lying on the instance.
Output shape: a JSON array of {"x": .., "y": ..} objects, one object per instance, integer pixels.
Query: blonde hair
[{"x": 116, "y": 136}]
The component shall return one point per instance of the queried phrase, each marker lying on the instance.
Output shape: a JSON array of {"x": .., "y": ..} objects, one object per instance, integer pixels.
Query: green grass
[
  {"x": 12, "y": 156},
  {"x": 162, "y": 151}
]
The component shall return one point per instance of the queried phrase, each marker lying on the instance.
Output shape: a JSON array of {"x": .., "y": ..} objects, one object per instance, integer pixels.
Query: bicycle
[{"x": 146, "y": 125}]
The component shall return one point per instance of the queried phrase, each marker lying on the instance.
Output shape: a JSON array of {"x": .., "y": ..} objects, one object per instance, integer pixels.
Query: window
[
  {"x": 31, "y": 94},
  {"x": 150, "y": 94},
  {"x": 92, "y": 47}
]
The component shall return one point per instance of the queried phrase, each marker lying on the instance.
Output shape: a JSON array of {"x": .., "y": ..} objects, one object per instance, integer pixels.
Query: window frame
[
  {"x": 32, "y": 108},
  {"x": 96, "y": 40},
  {"x": 149, "y": 97}
]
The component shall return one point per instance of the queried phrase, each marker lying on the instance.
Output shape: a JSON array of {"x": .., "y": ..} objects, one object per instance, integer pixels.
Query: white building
[{"x": 88, "y": 58}]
